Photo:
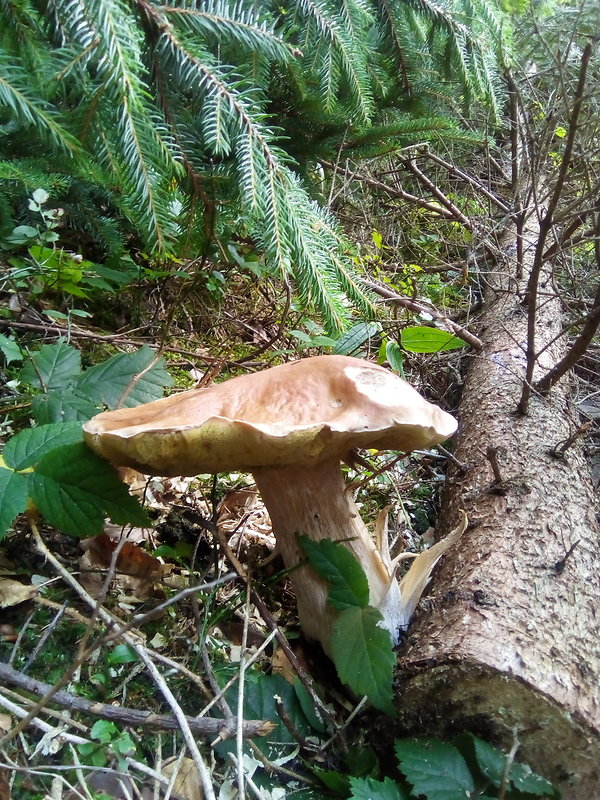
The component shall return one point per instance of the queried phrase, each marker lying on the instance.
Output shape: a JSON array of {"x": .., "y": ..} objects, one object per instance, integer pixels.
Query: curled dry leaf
[
  {"x": 137, "y": 571},
  {"x": 187, "y": 784},
  {"x": 12, "y": 592}
]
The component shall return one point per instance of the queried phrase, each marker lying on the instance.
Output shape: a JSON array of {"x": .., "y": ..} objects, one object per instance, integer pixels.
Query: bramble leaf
[
  {"x": 63, "y": 406},
  {"x": 75, "y": 489},
  {"x": 352, "y": 340},
  {"x": 10, "y": 349},
  {"x": 422, "y": 339},
  {"x": 27, "y": 447},
  {"x": 371, "y": 789},
  {"x": 333, "y": 562},
  {"x": 127, "y": 379},
  {"x": 13, "y": 497},
  {"x": 363, "y": 655},
  {"x": 435, "y": 769},
  {"x": 53, "y": 366}
]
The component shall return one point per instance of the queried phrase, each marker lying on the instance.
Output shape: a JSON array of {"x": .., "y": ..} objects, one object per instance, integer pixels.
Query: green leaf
[
  {"x": 337, "y": 565},
  {"x": 435, "y": 769},
  {"x": 103, "y": 730},
  {"x": 128, "y": 379},
  {"x": 370, "y": 789},
  {"x": 261, "y": 696},
  {"x": 358, "y": 334},
  {"x": 308, "y": 707},
  {"x": 122, "y": 654},
  {"x": 525, "y": 780},
  {"x": 421, "y": 339},
  {"x": 10, "y": 349},
  {"x": 75, "y": 489},
  {"x": 54, "y": 366},
  {"x": 65, "y": 406},
  {"x": 395, "y": 357},
  {"x": 333, "y": 780},
  {"x": 491, "y": 762},
  {"x": 27, "y": 447},
  {"x": 13, "y": 497},
  {"x": 363, "y": 655}
]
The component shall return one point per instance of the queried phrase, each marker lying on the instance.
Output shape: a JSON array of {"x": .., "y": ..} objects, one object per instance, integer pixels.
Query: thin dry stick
[
  {"x": 583, "y": 341},
  {"x": 169, "y": 662},
  {"x": 16, "y": 709},
  {"x": 410, "y": 165},
  {"x": 239, "y": 743},
  {"x": 283, "y": 642},
  {"x": 425, "y": 308},
  {"x": 188, "y": 737},
  {"x": 546, "y": 223},
  {"x": 209, "y": 726},
  {"x": 464, "y": 176}
]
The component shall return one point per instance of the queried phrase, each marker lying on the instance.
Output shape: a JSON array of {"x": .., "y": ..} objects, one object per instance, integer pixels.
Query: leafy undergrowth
[{"x": 128, "y": 651}]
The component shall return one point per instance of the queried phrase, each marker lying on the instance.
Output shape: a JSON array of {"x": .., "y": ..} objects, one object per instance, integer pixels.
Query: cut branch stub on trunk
[{"x": 290, "y": 426}]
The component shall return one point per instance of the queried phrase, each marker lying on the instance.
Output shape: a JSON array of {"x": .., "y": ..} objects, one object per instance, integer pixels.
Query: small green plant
[
  {"x": 362, "y": 651},
  {"x": 47, "y": 268},
  {"x": 110, "y": 740},
  {"x": 433, "y": 769},
  {"x": 48, "y": 467}
]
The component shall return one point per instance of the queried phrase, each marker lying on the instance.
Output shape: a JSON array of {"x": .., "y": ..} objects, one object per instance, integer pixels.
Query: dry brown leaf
[
  {"x": 12, "y": 592},
  {"x": 283, "y": 666},
  {"x": 137, "y": 572},
  {"x": 6, "y": 723},
  {"x": 187, "y": 783}
]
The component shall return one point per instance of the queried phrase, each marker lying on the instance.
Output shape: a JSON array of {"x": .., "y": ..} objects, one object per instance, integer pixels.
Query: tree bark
[{"x": 509, "y": 643}]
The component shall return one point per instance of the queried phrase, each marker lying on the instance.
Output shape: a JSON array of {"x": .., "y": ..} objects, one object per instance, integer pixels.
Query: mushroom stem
[{"x": 312, "y": 501}]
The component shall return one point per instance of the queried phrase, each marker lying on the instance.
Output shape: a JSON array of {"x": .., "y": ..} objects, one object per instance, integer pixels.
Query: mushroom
[{"x": 290, "y": 426}]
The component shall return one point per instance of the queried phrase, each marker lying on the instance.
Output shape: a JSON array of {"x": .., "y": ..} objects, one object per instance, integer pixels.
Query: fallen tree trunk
[{"x": 510, "y": 642}]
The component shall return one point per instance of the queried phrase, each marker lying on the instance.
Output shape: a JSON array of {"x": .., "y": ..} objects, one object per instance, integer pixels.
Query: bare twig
[
  {"x": 425, "y": 308},
  {"x": 581, "y": 344},
  {"x": 394, "y": 191},
  {"x": 205, "y": 726},
  {"x": 464, "y": 176},
  {"x": 546, "y": 223},
  {"x": 452, "y": 208},
  {"x": 561, "y": 448}
]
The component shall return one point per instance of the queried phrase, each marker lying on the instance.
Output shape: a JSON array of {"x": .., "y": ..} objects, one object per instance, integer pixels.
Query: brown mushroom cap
[{"x": 300, "y": 413}]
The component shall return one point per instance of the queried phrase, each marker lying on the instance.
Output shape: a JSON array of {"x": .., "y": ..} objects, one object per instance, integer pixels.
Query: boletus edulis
[{"x": 290, "y": 426}]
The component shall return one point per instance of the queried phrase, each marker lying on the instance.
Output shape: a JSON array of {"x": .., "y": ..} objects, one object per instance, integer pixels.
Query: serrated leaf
[
  {"x": 65, "y": 406},
  {"x": 435, "y": 769},
  {"x": 421, "y": 339},
  {"x": 14, "y": 494},
  {"x": 371, "y": 789},
  {"x": 10, "y": 349},
  {"x": 27, "y": 447},
  {"x": 127, "y": 379},
  {"x": 489, "y": 759},
  {"x": 353, "y": 339},
  {"x": 54, "y": 366},
  {"x": 524, "y": 779},
  {"x": 336, "y": 564},
  {"x": 74, "y": 489},
  {"x": 363, "y": 655}
]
